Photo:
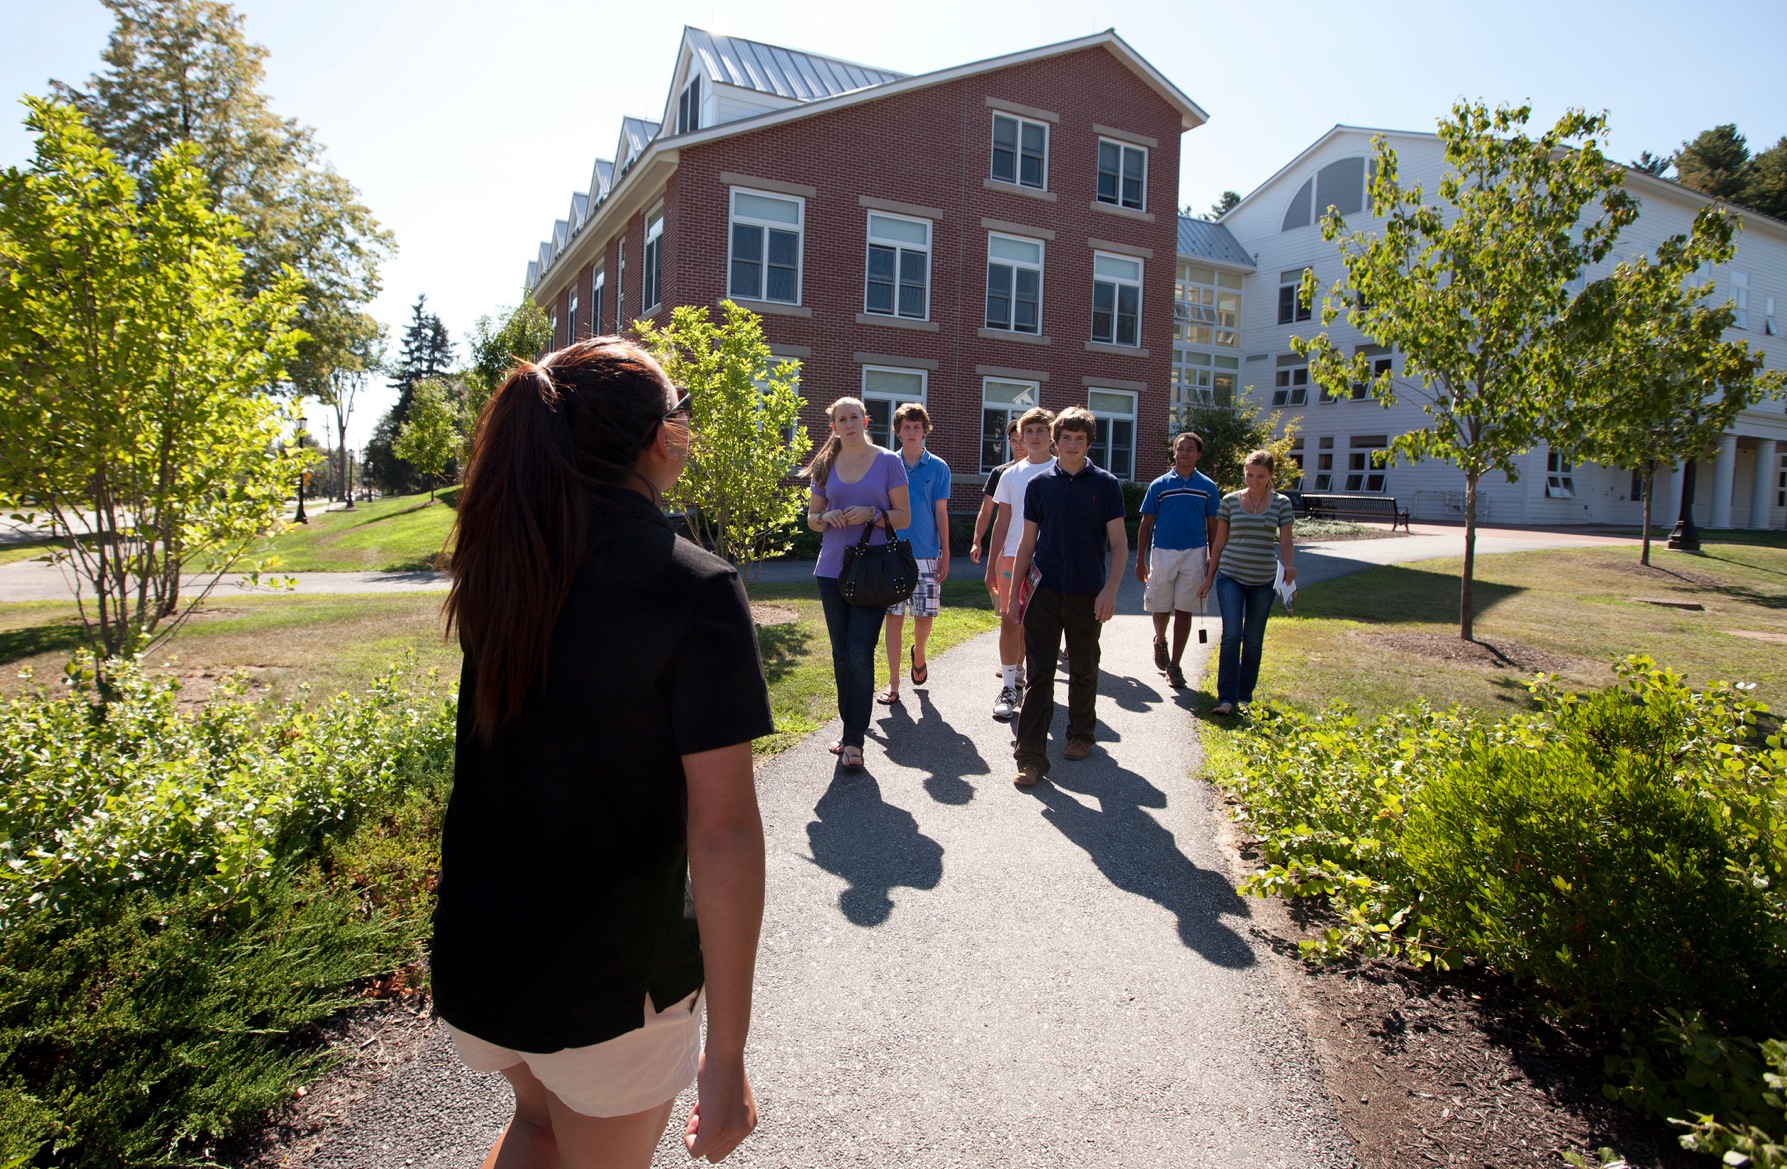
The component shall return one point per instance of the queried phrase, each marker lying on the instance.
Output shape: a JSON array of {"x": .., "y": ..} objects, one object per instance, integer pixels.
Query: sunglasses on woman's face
[{"x": 681, "y": 407}]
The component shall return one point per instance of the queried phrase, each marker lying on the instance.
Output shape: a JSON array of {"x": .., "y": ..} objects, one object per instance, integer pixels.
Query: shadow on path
[
  {"x": 872, "y": 845},
  {"x": 1139, "y": 856},
  {"x": 930, "y": 744}
]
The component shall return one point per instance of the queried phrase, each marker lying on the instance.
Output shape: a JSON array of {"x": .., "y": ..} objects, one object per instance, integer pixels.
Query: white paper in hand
[{"x": 1287, "y": 589}]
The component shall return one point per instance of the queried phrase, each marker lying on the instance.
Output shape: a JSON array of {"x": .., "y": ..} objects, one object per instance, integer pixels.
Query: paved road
[
  {"x": 958, "y": 973},
  {"x": 30, "y": 581}
]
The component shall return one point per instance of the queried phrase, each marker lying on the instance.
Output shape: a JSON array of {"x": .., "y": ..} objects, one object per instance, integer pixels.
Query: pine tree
[
  {"x": 425, "y": 354},
  {"x": 1716, "y": 163},
  {"x": 1766, "y": 190}
]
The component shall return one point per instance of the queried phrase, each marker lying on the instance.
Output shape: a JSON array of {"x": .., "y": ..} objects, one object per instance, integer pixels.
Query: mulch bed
[
  {"x": 1455, "y": 1068},
  {"x": 1495, "y": 655}
]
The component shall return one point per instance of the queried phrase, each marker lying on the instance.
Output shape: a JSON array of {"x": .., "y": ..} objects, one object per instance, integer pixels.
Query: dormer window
[{"x": 688, "y": 107}]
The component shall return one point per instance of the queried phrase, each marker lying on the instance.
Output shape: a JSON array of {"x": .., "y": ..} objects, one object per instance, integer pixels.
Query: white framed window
[
  {"x": 1203, "y": 379},
  {"x": 897, "y": 279},
  {"x": 1206, "y": 307},
  {"x": 1364, "y": 469},
  {"x": 596, "y": 281},
  {"x": 1293, "y": 474},
  {"x": 1768, "y": 317},
  {"x": 1381, "y": 361},
  {"x": 571, "y": 318},
  {"x": 1781, "y": 484},
  {"x": 1740, "y": 295},
  {"x": 1290, "y": 382},
  {"x": 1116, "y": 299},
  {"x": 688, "y": 107},
  {"x": 1297, "y": 213},
  {"x": 1560, "y": 480},
  {"x": 1020, "y": 151},
  {"x": 1324, "y": 463},
  {"x": 620, "y": 284},
  {"x": 554, "y": 321},
  {"x": 1290, "y": 309},
  {"x": 1113, "y": 438},
  {"x": 884, "y": 389},
  {"x": 1014, "y": 283},
  {"x": 1001, "y": 401},
  {"x": 1122, "y": 174},
  {"x": 765, "y": 258},
  {"x": 650, "y": 290}
]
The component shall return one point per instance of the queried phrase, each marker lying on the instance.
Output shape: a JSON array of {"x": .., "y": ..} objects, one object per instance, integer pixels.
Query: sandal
[
  {"x": 837, "y": 746},
  {"x": 920, "y": 674},
  {"x": 851, "y": 758},
  {"x": 1223, "y": 708},
  {"x": 888, "y": 698}
]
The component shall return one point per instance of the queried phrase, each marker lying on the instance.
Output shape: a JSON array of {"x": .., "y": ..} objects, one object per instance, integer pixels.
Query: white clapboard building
[{"x": 1255, "y": 255}]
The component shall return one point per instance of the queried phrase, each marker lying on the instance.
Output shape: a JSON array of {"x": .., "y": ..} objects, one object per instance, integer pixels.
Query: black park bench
[{"x": 1323, "y": 505}]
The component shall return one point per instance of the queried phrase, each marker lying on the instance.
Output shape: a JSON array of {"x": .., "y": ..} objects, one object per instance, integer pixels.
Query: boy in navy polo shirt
[
  {"x": 1178, "y": 521},
  {"x": 927, "y": 482},
  {"x": 1073, "y": 515}
]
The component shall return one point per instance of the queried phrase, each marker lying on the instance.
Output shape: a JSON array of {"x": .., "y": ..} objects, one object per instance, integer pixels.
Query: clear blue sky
[{"x": 467, "y": 125}]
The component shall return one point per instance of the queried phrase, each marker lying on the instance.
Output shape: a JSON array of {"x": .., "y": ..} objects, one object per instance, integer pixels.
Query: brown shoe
[
  {"x": 1029, "y": 775},
  {"x": 1161, "y": 660},
  {"x": 1077, "y": 749}
]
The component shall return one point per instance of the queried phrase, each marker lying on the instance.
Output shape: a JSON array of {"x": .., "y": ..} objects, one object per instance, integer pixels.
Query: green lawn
[
  {"x": 335, "y": 643},
  {"x": 1386, "y": 636},
  {"x": 402, "y": 533}
]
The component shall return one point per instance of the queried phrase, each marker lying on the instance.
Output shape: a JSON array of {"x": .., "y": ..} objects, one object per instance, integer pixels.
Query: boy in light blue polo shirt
[
  {"x": 1178, "y": 521},
  {"x": 927, "y": 484}
]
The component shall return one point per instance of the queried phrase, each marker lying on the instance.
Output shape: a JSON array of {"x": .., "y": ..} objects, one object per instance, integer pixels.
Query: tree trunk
[
  {"x": 1465, "y": 627},
  {"x": 1650, "y": 474}
]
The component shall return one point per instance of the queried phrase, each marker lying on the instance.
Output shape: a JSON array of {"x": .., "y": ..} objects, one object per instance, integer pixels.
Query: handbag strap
[{"x": 862, "y": 542}]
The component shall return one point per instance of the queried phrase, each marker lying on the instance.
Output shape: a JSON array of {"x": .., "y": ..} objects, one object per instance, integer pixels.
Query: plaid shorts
[{"x": 927, "y": 599}]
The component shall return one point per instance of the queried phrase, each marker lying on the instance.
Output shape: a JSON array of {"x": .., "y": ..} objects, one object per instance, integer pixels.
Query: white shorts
[
  {"x": 627, "y": 1074},
  {"x": 1174, "y": 575}
]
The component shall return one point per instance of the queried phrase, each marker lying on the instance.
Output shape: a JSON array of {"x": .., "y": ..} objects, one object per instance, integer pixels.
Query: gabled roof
[
  {"x": 561, "y": 235},
  {"x": 579, "y": 208},
  {"x": 1337, "y": 130},
  {"x": 1201, "y": 239},
  {"x": 533, "y": 272},
  {"x": 635, "y": 135},
  {"x": 601, "y": 177},
  {"x": 772, "y": 69}
]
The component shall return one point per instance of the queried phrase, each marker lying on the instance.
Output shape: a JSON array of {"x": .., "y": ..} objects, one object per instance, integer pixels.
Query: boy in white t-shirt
[{"x": 1008, "y": 531}]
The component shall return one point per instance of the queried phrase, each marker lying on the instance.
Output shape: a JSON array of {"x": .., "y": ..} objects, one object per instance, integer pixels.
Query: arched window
[{"x": 1297, "y": 214}]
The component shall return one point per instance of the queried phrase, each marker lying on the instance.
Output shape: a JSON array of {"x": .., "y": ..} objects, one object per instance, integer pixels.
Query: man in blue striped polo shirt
[{"x": 1178, "y": 522}]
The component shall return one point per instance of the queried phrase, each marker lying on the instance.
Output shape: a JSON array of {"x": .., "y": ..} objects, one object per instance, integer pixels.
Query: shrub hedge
[{"x": 188, "y": 893}]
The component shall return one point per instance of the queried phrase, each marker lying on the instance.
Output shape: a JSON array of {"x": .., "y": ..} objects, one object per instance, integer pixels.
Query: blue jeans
[
  {"x": 1244, "y": 610},
  {"x": 855, "y": 632}
]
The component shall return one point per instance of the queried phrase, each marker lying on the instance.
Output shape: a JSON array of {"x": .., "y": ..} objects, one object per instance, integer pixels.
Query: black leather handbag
[{"x": 878, "y": 576}]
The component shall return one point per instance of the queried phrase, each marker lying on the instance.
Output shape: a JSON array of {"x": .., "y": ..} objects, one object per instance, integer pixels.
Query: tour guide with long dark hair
[{"x": 610, "y": 693}]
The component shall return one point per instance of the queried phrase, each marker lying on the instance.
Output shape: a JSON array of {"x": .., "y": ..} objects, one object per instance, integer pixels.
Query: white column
[
  {"x": 1724, "y": 475},
  {"x": 1762, "y": 486}
]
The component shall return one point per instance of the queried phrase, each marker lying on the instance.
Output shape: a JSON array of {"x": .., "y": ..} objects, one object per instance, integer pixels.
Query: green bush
[
  {"x": 189, "y": 893},
  {"x": 1730, "y": 1093}
]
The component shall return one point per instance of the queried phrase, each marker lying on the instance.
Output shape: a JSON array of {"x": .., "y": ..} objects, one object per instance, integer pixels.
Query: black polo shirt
[
  {"x": 563, "y": 854},
  {"x": 1071, "y": 512}
]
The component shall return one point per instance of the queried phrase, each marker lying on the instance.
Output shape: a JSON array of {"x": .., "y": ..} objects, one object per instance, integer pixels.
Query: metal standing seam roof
[
  {"x": 636, "y": 134},
  {"x": 600, "y": 180},
  {"x": 1203, "y": 239},
  {"x": 579, "y": 210},
  {"x": 786, "y": 73}
]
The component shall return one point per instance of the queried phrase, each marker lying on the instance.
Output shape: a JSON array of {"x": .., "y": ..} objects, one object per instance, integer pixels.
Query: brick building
[{"x": 981, "y": 238}]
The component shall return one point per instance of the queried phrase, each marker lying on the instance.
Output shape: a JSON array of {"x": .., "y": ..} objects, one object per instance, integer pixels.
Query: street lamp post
[
  {"x": 1686, "y": 537},
  {"x": 347, "y": 461},
  {"x": 300, "y": 517}
]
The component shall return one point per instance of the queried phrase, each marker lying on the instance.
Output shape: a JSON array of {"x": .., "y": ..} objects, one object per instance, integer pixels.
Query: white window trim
[
  {"x": 800, "y": 251},
  {"x": 1290, "y": 389},
  {"x": 654, "y": 260},
  {"x": 1560, "y": 477},
  {"x": 571, "y": 314},
  {"x": 1140, "y": 283},
  {"x": 1206, "y": 316},
  {"x": 870, "y": 241},
  {"x": 1011, "y": 411},
  {"x": 597, "y": 286},
  {"x": 1017, "y": 169},
  {"x": 1121, "y": 147},
  {"x": 620, "y": 283},
  {"x": 554, "y": 322},
  {"x": 897, "y": 400},
  {"x": 1365, "y": 473},
  {"x": 1299, "y": 314},
  {"x": 1740, "y": 300},
  {"x": 1042, "y": 248},
  {"x": 1131, "y": 417}
]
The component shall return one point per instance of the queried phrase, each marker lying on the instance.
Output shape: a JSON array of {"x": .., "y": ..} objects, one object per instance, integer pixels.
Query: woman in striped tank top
[{"x": 1243, "y": 565}]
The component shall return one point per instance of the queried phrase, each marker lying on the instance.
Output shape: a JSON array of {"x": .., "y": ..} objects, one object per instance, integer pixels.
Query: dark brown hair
[
  {"x": 1193, "y": 435},
  {"x": 1263, "y": 458},
  {"x": 910, "y": 412},
  {"x": 1075, "y": 418},
  {"x": 580, "y": 419}
]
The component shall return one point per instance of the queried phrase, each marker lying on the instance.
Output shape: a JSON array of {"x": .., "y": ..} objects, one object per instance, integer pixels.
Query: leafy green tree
[
  {"x": 1716, "y": 162},
  {"x": 182, "y": 71},
  {"x": 136, "y": 420},
  {"x": 1230, "y": 434},
  {"x": 1654, "y": 380},
  {"x": 747, "y": 439},
  {"x": 430, "y": 438},
  {"x": 337, "y": 375},
  {"x": 497, "y": 343},
  {"x": 425, "y": 354},
  {"x": 1472, "y": 288}
]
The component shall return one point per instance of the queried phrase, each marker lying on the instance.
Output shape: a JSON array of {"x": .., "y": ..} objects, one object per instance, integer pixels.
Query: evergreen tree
[
  {"x": 425, "y": 354},
  {"x": 1652, "y": 164},
  {"x": 1766, "y": 190},
  {"x": 1716, "y": 163},
  {"x": 1229, "y": 201}
]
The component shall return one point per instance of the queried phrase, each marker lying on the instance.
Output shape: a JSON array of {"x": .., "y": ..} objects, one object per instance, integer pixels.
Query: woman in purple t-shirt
[{"x": 854, "y": 483}]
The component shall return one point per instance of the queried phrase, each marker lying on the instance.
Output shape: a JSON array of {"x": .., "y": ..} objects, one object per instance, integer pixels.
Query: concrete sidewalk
[{"x": 955, "y": 972}]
